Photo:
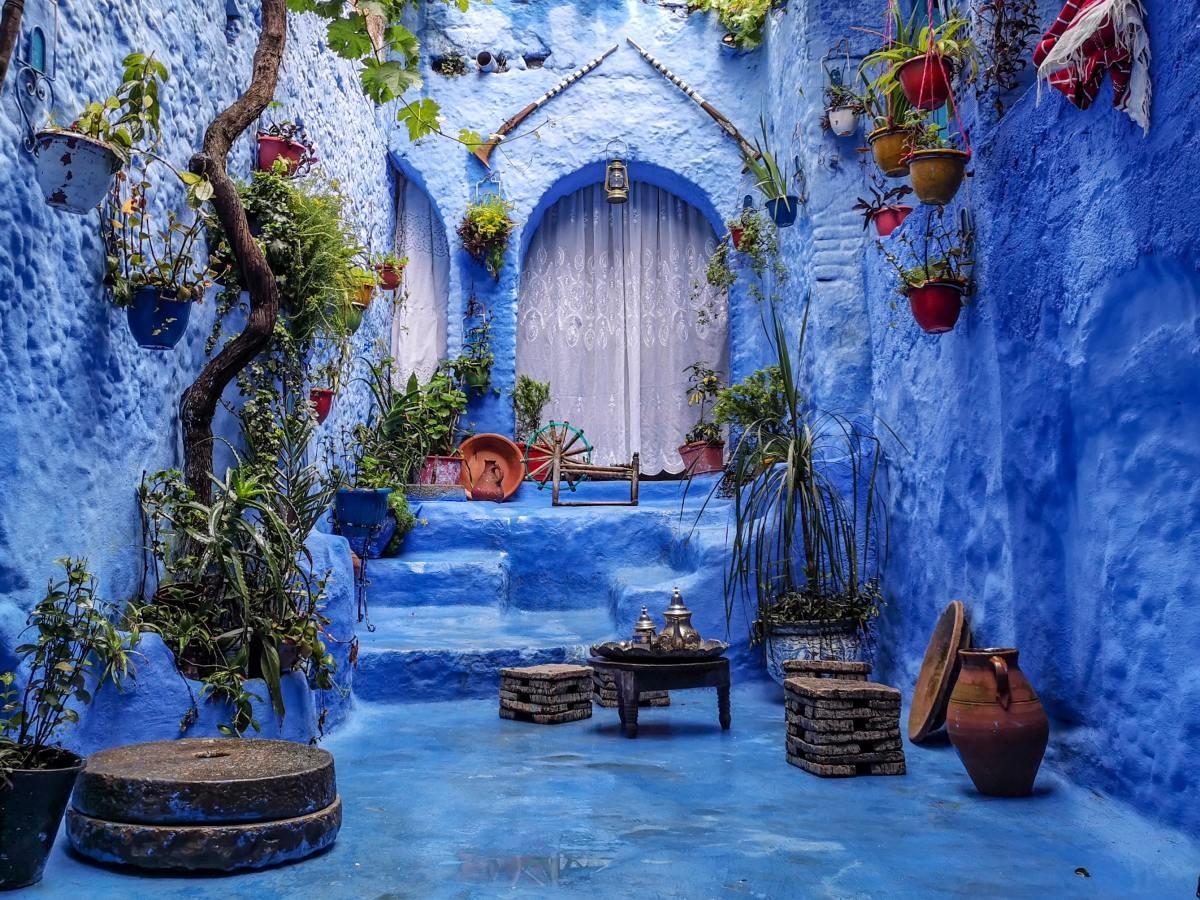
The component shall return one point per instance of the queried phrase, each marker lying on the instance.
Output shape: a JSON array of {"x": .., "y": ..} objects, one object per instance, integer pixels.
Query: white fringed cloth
[{"x": 1093, "y": 37}]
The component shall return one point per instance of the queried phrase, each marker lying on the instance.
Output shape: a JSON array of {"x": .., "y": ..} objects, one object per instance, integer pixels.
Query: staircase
[{"x": 482, "y": 586}]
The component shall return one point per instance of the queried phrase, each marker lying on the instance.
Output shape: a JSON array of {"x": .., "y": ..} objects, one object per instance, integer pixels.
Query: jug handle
[{"x": 1003, "y": 694}]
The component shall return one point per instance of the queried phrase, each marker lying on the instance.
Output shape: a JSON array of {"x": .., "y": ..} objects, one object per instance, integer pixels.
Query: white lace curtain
[
  {"x": 419, "y": 328},
  {"x": 613, "y": 307}
]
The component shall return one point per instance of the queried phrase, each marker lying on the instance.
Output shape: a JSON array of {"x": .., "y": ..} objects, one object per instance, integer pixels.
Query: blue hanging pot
[
  {"x": 157, "y": 318},
  {"x": 783, "y": 210}
]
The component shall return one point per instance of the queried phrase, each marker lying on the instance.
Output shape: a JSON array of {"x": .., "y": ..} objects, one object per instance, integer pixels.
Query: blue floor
[{"x": 448, "y": 800}]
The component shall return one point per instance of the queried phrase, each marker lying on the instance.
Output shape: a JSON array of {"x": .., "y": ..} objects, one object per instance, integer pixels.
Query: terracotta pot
[
  {"x": 389, "y": 276},
  {"x": 322, "y": 401},
  {"x": 890, "y": 218},
  {"x": 363, "y": 295},
  {"x": 890, "y": 146},
  {"x": 937, "y": 174},
  {"x": 271, "y": 148},
  {"x": 702, "y": 458},
  {"x": 735, "y": 235},
  {"x": 996, "y": 723},
  {"x": 936, "y": 305},
  {"x": 441, "y": 470},
  {"x": 925, "y": 81},
  {"x": 843, "y": 121},
  {"x": 73, "y": 171}
]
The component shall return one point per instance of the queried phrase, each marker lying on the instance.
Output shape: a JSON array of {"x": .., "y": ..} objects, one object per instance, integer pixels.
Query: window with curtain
[
  {"x": 419, "y": 328},
  {"x": 613, "y": 308}
]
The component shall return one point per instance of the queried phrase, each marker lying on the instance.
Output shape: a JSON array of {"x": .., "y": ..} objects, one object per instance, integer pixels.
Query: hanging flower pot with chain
[
  {"x": 158, "y": 318},
  {"x": 936, "y": 304},
  {"x": 890, "y": 147},
  {"x": 937, "y": 173},
  {"x": 925, "y": 80}
]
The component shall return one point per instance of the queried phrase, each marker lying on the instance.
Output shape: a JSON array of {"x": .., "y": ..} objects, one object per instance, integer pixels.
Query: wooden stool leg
[
  {"x": 723, "y": 706},
  {"x": 627, "y": 701}
]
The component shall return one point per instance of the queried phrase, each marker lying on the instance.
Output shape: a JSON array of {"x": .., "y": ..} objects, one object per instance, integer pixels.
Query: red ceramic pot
[
  {"x": 890, "y": 218},
  {"x": 322, "y": 401},
  {"x": 925, "y": 81},
  {"x": 996, "y": 723},
  {"x": 389, "y": 276},
  {"x": 735, "y": 235},
  {"x": 441, "y": 470},
  {"x": 271, "y": 148},
  {"x": 537, "y": 461},
  {"x": 702, "y": 458},
  {"x": 936, "y": 305}
]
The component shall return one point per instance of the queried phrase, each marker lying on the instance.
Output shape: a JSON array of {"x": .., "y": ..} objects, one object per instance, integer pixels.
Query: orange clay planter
[
  {"x": 937, "y": 174},
  {"x": 890, "y": 146}
]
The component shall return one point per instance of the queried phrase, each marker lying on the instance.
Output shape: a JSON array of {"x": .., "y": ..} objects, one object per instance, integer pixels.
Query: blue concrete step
[
  {"x": 460, "y": 578},
  {"x": 451, "y": 652}
]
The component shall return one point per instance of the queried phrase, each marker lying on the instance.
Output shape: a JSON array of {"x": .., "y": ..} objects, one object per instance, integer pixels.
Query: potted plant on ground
[
  {"x": 935, "y": 167},
  {"x": 808, "y": 544},
  {"x": 75, "y": 165},
  {"x": 703, "y": 449},
  {"x": 775, "y": 183},
  {"x": 842, "y": 110},
  {"x": 153, "y": 274},
  {"x": 390, "y": 269},
  {"x": 923, "y": 60},
  {"x": 935, "y": 272},
  {"x": 442, "y": 402},
  {"x": 881, "y": 208},
  {"x": 485, "y": 230},
  {"x": 287, "y": 143},
  {"x": 75, "y": 651},
  {"x": 529, "y": 399}
]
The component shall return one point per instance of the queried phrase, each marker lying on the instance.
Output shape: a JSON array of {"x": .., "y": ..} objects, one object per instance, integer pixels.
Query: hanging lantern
[{"x": 616, "y": 175}]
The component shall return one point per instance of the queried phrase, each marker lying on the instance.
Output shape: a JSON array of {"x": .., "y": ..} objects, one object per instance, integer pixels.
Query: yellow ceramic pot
[
  {"x": 890, "y": 146},
  {"x": 937, "y": 174}
]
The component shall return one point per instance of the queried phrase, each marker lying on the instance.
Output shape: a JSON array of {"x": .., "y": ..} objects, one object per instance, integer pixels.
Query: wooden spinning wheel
[{"x": 560, "y": 453}]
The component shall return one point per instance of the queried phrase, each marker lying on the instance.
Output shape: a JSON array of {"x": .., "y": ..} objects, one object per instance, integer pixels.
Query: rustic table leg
[
  {"x": 723, "y": 706},
  {"x": 627, "y": 701}
]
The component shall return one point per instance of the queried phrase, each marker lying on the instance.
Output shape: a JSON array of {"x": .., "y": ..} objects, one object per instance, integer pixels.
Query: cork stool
[
  {"x": 547, "y": 694},
  {"x": 827, "y": 668},
  {"x": 843, "y": 728}
]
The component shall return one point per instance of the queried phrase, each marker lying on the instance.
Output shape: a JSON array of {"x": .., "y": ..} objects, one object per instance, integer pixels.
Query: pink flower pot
[
  {"x": 441, "y": 470},
  {"x": 890, "y": 218}
]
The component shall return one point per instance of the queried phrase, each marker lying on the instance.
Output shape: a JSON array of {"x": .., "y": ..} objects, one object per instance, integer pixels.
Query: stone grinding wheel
[
  {"x": 939, "y": 668},
  {"x": 201, "y": 804},
  {"x": 477, "y": 451}
]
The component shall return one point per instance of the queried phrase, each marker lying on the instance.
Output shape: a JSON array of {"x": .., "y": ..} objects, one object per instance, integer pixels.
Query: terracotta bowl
[{"x": 479, "y": 450}]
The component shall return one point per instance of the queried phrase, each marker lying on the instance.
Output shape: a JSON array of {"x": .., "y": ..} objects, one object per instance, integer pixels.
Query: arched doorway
[
  {"x": 419, "y": 328},
  {"x": 613, "y": 308}
]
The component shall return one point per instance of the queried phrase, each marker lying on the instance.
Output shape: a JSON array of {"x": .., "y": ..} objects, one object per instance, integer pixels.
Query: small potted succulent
[
  {"x": 287, "y": 143},
  {"x": 935, "y": 272},
  {"x": 154, "y": 275},
  {"x": 76, "y": 165},
  {"x": 389, "y": 269},
  {"x": 485, "y": 230},
  {"x": 781, "y": 187},
  {"x": 935, "y": 168},
  {"x": 921, "y": 61},
  {"x": 842, "y": 110},
  {"x": 881, "y": 207},
  {"x": 703, "y": 449},
  {"x": 75, "y": 651}
]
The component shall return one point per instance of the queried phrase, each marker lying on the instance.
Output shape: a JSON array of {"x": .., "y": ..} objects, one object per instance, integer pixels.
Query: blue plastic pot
[
  {"x": 157, "y": 319},
  {"x": 783, "y": 210},
  {"x": 361, "y": 508}
]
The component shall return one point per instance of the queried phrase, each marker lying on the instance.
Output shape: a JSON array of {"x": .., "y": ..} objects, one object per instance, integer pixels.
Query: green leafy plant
[
  {"x": 529, "y": 399},
  {"x": 75, "y": 638},
  {"x": 772, "y": 180},
  {"x": 718, "y": 274},
  {"x": 442, "y": 404},
  {"x": 702, "y": 388},
  {"x": 473, "y": 366},
  {"x": 759, "y": 244},
  {"x": 141, "y": 255},
  {"x": 293, "y": 132},
  {"x": 485, "y": 230},
  {"x": 130, "y": 117},
  {"x": 842, "y": 96},
  {"x": 942, "y": 252},
  {"x": 881, "y": 198},
  {"x": 945, "y": 39},
  {"x": 744, "y": 19},
  {"x": 452, "y": 64}
]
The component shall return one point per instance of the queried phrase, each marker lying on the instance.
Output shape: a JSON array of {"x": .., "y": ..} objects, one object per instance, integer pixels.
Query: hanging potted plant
[
  {"x": 153, "y": 273},
  {"x": 881, "y": 208},
  {"x": 703, "y": 449},
  {"x": 390, "y": 269},
  {"x": 529, "y": 399},
  {"x": 485, "y": 230},
  {"x": 935, "y": 273},
  {"x": 326, "y": 381},
  {"x": 922, "y": 61},
  {"x": 842, "y": 105},
  {"x": 896, "y": 124},
  {"x": 776, "y": 184},
  {"x": 287, "y": 143},
  {"x": 936, "y": 169},
  {"x": 76, "y": 650},
  {"x": 76, "y": 165},
  {"x": 362, "y": 286},
  {"x": 473, "y": 366}
]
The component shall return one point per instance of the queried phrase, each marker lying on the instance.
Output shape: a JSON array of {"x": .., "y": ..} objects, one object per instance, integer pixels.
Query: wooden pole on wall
[{"x": 10, "y": 28}]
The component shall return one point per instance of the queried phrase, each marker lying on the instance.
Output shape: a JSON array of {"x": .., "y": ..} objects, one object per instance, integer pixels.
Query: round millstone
[
  {"x": 226, "y": 848},
  {"x": 223, "y": 781}
]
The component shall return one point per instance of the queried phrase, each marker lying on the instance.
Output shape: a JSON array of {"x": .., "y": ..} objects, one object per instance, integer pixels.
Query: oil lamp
[{"x": 616, "y": 174}]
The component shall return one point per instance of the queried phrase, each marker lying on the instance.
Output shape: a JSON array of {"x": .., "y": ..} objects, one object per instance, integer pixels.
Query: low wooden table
[{"x": 633, "y": 678}]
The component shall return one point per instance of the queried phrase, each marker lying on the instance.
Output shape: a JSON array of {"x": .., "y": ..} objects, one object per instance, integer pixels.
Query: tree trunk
[
  {"x": 198, "y": 404},
  {"x": 10, "y": 29}
]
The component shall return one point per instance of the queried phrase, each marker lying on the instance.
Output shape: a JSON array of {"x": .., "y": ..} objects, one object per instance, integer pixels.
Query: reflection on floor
[{"x": 448, "y": 800}]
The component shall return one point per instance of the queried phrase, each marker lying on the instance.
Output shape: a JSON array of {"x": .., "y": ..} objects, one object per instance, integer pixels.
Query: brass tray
[{"x": 628, "y": 651}]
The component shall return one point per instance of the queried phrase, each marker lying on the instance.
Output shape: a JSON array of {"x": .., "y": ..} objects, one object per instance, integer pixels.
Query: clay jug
[{"x": 996, "y": 723}]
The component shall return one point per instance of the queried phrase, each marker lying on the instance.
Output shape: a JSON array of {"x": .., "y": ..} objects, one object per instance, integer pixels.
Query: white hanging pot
[
  {"x": 843, "y": 121},
  {"x": 486, "y": 61},
  {"x": 74, "y": 172}
]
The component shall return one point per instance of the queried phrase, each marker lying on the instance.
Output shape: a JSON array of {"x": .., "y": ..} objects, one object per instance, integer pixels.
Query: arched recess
[
  {"x": 613, "y": 307},
  {"x": 419, "y": 328}
]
